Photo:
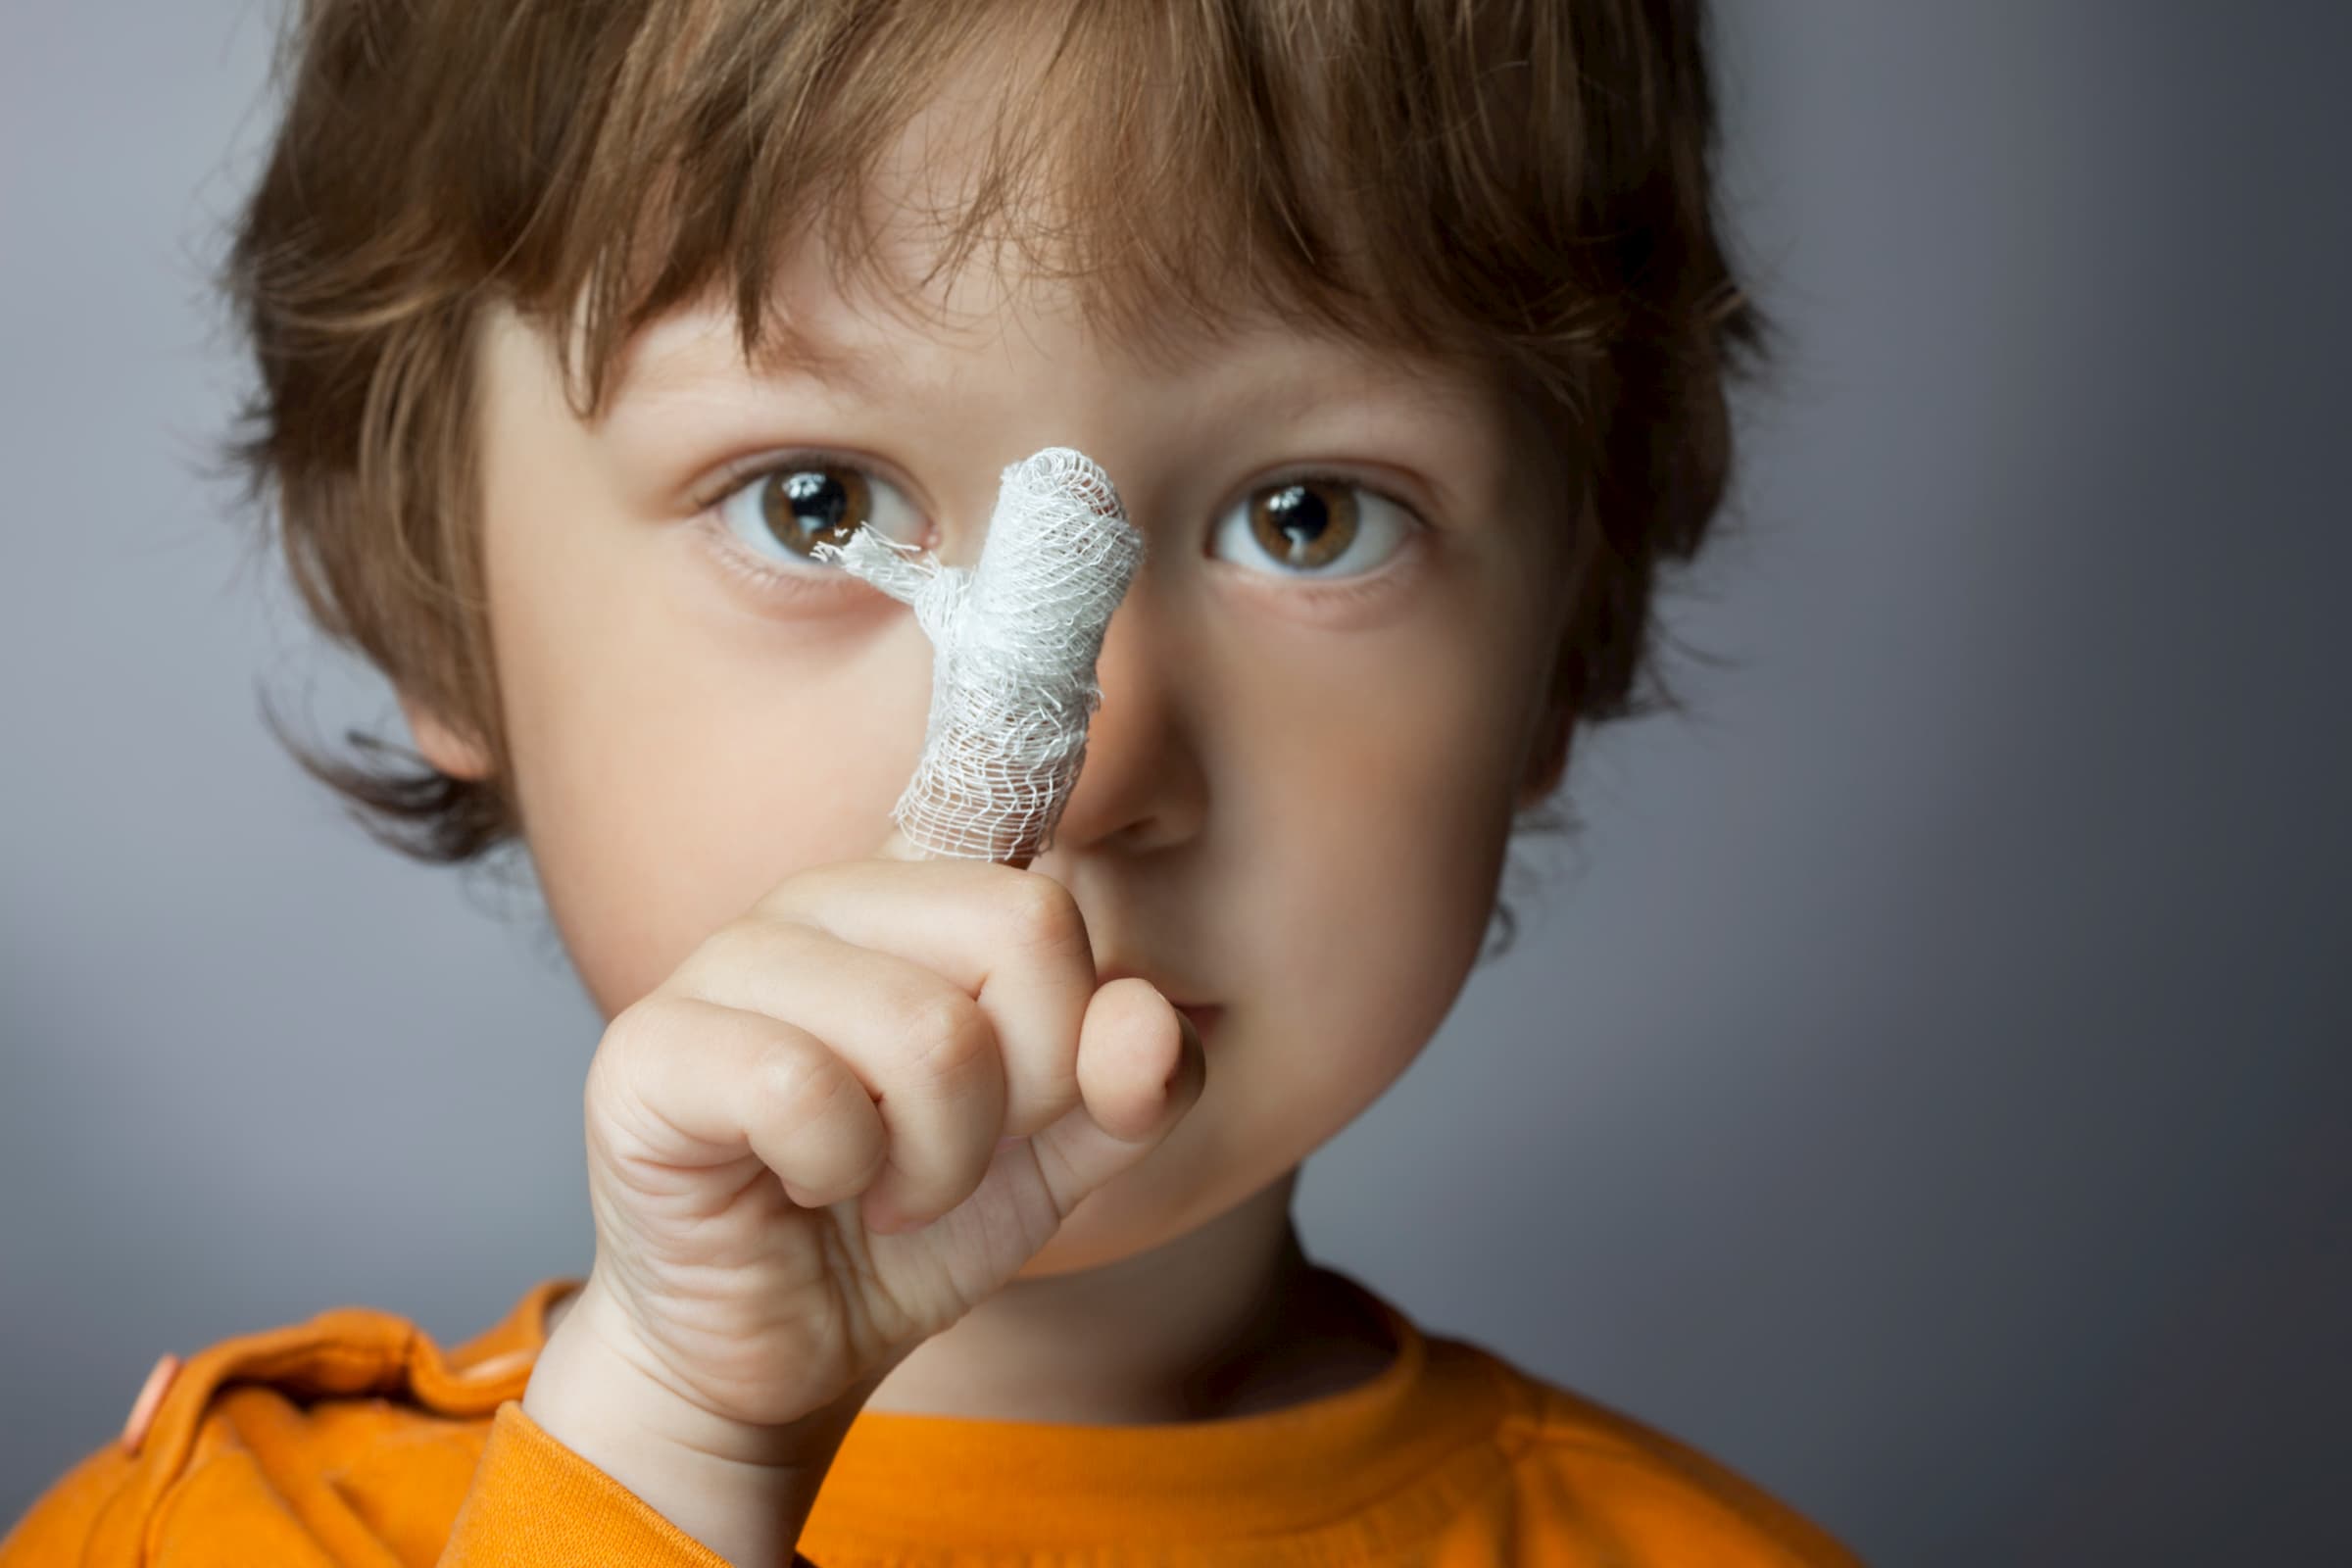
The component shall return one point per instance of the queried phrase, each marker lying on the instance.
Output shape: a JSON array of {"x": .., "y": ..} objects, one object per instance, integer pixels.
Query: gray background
[{"x": 1923, "y": 1086}]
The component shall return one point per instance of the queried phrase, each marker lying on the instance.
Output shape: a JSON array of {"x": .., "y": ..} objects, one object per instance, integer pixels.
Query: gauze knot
[
  {"x": 1015, "y": 639},
  {"x": 933, "y": 590}
]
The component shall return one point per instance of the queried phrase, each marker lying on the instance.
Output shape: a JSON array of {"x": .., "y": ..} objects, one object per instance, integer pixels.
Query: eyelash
[
  {"x": 742, "y": 564},
  {"x": 734, "y": 558},
  {"x": 739, "y": 560}
]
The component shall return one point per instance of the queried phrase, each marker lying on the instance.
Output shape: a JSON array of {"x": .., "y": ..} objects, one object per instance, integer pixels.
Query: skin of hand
[{"x": 849, "y": 1115}]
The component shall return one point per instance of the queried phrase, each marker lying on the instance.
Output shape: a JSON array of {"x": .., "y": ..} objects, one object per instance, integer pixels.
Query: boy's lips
[{"x": 1204, "y": 1014}]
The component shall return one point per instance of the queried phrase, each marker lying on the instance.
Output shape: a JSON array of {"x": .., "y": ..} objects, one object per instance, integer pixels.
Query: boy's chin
[
  {"x": 1133, "y": 1213},
  {"x": 1094, "y": 1236}
]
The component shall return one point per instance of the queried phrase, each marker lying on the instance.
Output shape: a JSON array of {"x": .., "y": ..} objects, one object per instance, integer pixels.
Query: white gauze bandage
[{"x": 1014, "y": 638}]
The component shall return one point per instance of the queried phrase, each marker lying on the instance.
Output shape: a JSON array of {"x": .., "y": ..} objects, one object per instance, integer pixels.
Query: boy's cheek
[
  {"x": 1378, "y": 842},
  {"x": 659, "y": 852},
  {"x": 1383, "y": 929},
  {"x": 664, "y": 792},
  {"x": 664, "y": 814},
  {"x": 674, "y": 763}
]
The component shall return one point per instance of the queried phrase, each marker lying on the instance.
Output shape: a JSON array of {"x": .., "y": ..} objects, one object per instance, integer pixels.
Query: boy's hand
[{"x": 798, "y": 1173}]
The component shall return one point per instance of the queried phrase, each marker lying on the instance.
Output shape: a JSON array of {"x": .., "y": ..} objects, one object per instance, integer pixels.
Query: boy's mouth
[{"x": 1202, "y": 1014}]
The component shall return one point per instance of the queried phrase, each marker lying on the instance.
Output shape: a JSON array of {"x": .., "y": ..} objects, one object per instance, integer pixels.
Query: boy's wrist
[{"x": 743, "y": 1492}]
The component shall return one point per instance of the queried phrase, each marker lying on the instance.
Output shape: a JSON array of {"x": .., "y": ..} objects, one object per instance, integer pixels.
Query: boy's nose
[{"x": 1141, "y": 786}]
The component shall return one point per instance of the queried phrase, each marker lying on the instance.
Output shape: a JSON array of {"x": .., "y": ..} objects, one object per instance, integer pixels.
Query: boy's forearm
[{"x": 745, "y": 1492}]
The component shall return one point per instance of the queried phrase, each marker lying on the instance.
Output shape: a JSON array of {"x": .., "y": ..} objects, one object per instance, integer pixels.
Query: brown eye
[
  {"x": 806, "y": 507},
  {"x": 1304, "y": 525},
  {"x": 1315, "y": 528},
  {"x": 782, "y": 513}
]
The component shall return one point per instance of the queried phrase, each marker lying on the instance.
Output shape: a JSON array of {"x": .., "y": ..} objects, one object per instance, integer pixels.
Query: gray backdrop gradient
[{"x": 1923, "y": 1086}]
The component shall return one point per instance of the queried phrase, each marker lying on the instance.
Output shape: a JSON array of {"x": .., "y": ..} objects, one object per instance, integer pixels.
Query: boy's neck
[
  {"x": 1229, "y": 1318},
  {"x": 1225, "y": 1320}
]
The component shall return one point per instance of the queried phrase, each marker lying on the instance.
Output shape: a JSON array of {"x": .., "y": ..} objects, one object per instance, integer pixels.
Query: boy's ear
[
  {"x": 1547, "y": 760},
  {"x": 441, "y": 744}
]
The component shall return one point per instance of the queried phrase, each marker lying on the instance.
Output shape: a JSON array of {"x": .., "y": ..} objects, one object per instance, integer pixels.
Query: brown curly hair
[{"x": 1522, "y": 185}]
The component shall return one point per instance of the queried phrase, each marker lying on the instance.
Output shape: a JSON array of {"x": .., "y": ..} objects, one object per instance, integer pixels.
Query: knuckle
[
  {"x": 632, "y": 1039},
  {"x": 626, "y": 1084},
  {"x": 788, "y": 900},
  {"x": 949, "y": 1032},
  {"x": 800, "y": 1084},
  {"x": 1040, "y": 915},
  {"x": 731, "y": 949}
]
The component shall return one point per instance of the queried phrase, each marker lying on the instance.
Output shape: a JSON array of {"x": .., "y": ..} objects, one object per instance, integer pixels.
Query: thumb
[{"x": 1139, "y": 1068}]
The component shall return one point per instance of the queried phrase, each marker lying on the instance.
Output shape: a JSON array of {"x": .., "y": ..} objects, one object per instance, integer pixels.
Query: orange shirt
[{"x": 354, "y": 1439}]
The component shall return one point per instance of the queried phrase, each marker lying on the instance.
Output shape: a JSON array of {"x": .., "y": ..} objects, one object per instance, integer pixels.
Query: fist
[{"x": 851, "y": 1115}]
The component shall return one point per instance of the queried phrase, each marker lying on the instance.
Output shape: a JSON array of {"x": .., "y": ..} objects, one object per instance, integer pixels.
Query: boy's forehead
[{"x": 878, "y": 347}]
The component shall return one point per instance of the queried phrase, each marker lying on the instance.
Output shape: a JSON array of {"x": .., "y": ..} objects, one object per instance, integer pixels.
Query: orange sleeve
[
  {"x": 535, "y": 1503},
  {"x": 53, "y": 1531},
  {"x": 532, "y": 1504}
]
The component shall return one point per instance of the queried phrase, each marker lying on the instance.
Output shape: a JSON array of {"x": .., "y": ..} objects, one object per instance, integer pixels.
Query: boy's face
[{"x": 1298, "y": 787}]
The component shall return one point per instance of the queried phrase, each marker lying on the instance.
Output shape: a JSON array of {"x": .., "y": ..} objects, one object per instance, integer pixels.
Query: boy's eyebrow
[
  {"x": 681, "y": 369},
  {"x": 684, "y": 362},
  {"x": 787, "y": 355}
]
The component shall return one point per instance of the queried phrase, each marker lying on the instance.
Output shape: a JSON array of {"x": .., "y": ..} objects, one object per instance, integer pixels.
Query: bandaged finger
[{"x": 1016, "y": 640}]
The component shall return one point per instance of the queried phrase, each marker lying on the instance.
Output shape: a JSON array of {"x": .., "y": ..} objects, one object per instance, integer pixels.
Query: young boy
[{"x": 942, "y": 1206}]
